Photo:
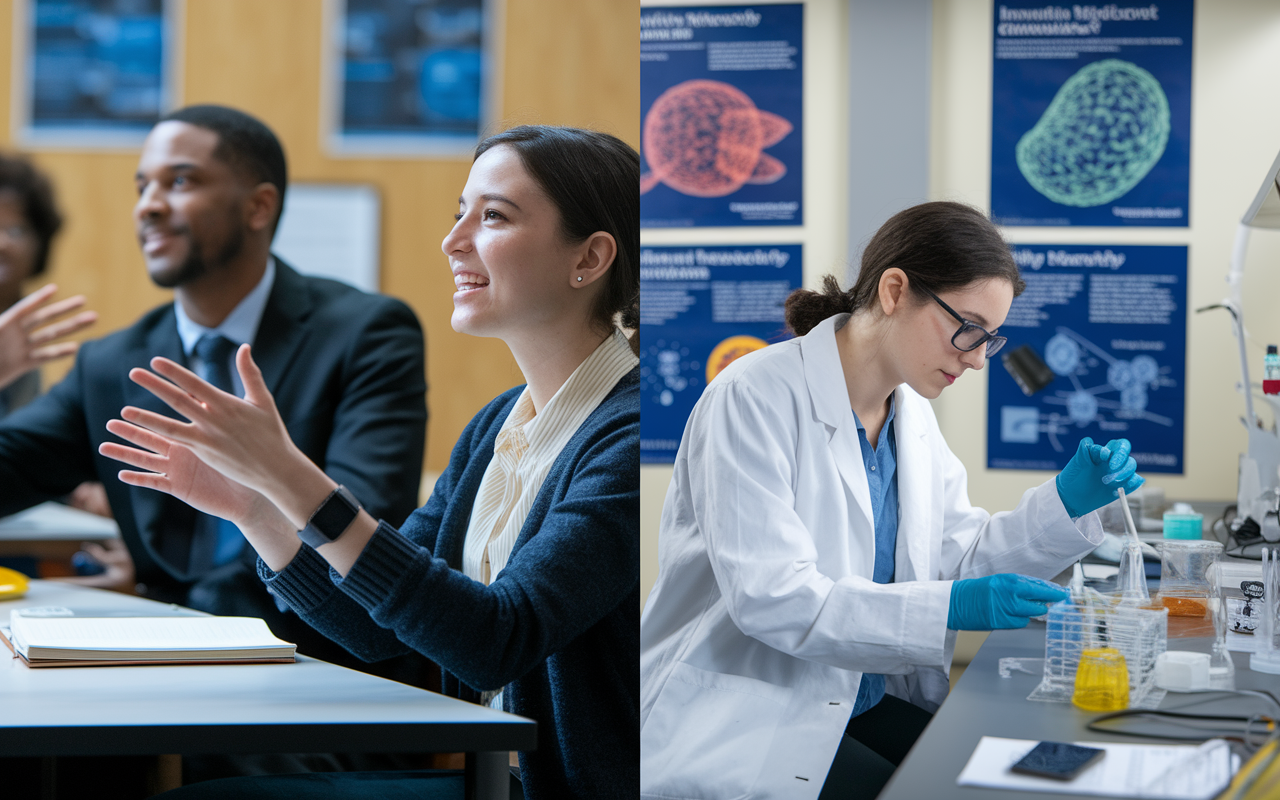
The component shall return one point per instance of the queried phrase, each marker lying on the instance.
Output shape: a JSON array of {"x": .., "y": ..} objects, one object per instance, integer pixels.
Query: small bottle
[{"x": 1271, "y": 371}]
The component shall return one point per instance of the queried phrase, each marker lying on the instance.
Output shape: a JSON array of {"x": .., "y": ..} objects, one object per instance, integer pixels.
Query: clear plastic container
[{"x": 1187, "y": 567}]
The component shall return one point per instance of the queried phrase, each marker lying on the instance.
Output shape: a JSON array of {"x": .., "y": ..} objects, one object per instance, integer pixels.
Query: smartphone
[{"x": 1057, "y": 760}]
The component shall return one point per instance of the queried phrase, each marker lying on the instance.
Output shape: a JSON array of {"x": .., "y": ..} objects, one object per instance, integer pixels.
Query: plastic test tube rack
[{"x": 1139, "y": 633}]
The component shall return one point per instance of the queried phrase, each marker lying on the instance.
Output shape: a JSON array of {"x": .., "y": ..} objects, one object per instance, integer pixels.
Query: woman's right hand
[{"x": 1000, "y": 601}]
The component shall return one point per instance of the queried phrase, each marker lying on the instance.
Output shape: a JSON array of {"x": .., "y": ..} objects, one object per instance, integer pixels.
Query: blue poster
[
  {"x": 1097, "y": 347},
  {"x": 413, "y": 75},
  {"x": 1091, "y": 114},
  {"x": 720, "y": 95},
  {"x": 97, "y": 70},
  {"x": 701, "y": 307}
]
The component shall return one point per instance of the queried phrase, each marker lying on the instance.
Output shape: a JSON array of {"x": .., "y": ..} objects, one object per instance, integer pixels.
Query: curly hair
[{"x": 18, "y": 175}]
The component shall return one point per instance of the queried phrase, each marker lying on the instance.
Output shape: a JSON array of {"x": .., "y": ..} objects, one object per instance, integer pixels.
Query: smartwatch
[{"x": 331, "y": 519}]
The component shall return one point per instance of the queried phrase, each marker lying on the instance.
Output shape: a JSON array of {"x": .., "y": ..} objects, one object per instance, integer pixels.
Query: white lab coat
[{"x": 764, "y": 615}]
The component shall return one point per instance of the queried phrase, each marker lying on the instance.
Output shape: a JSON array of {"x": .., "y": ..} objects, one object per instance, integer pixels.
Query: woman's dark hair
[
  {"x": 19, "y": 176},
  {"x": 940, "y": 246},
  {"x": 244, "y": 142},
  {"x": 594, "y": 181}
]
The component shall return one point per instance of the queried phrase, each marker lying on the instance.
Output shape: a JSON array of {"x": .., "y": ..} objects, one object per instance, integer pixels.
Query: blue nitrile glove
[
  {"x": 999, "y": 601},
  {"x": 1089, "y": 480}
]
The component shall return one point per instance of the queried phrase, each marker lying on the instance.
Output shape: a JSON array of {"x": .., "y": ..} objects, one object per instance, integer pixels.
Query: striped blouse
[{"x": 526, "y": 447}]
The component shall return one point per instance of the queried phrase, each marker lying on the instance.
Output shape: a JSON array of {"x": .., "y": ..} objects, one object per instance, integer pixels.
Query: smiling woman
[{"x": 520, "y": 576}]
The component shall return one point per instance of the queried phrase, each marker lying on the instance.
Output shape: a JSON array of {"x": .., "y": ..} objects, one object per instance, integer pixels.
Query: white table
[
  {"x": 53, "y": 531},
  {"x": 308, "y": 706}
]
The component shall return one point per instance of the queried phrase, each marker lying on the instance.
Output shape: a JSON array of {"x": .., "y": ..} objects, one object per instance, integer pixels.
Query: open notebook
[{"x": 81, "y": 641}]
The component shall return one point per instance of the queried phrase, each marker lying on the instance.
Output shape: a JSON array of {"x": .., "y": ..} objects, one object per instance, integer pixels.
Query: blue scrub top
[{"x": 882, "y": 479}]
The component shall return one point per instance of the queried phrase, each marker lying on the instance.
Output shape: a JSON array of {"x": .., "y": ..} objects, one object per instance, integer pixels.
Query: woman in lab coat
[{"x": 810, "y": 584}]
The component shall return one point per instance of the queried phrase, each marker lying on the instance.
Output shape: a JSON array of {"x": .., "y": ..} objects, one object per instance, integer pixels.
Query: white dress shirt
[{"x": 240, "y": 326}]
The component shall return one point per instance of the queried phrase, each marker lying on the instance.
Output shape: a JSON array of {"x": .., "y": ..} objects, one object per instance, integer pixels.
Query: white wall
[
  {"x": 1235, "y": 135},
  {"x": 826, "y": 111}
]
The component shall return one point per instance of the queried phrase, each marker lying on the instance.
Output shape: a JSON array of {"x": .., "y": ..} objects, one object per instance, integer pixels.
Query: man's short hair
[
  {"x": 35, "y": 192},
  {"x": 244, "y": 142}
]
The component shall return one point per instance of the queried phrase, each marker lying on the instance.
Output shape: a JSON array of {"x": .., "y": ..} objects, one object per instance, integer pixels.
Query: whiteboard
[{"x": 331, "y": 231}]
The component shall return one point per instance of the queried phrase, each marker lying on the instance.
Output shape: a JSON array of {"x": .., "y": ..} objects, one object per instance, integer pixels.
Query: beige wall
[
  {"x": 1235, "y": 135},
  {"x": 570, "y": 62},
  {"x": 826, "y": 114}
]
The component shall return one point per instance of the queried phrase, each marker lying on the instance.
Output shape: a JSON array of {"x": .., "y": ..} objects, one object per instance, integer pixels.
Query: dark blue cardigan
[{"x": 559, "y": 625}]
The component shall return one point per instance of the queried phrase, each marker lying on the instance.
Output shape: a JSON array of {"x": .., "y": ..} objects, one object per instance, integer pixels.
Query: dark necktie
[{"x": 215, "y": 541}]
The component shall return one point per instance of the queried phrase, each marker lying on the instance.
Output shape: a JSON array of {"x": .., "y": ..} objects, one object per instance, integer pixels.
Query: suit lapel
[
  {"x": 282, "y": 329},
  {"x": 164, "y": 524}
]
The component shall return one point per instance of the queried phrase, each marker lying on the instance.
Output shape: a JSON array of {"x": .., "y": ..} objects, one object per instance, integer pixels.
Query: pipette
[{"x": 1131, "y": 582}]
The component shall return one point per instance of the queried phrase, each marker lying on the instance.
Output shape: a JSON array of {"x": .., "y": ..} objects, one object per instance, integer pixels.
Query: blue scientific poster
[
  {"x": 412, "y": 75},
  {"x": 701, "y": 307},
  {"x": 96, "y": 71},
  {"x": 1097, "y": 347},
  {"x": 1091, "y": 114},
  {"x": 721, "y": 97}
]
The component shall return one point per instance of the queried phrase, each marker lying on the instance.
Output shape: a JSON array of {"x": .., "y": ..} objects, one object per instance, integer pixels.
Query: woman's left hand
[
  {"x": 244, "y": 440},
  {"x": 174, "y": 469}
]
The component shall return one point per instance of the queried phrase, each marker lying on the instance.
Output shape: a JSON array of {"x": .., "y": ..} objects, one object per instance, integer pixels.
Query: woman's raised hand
[
  {"x": 245, "y": 440},
  {"x": 173, "y": 469},
  {"x": 29, "y": 330}
]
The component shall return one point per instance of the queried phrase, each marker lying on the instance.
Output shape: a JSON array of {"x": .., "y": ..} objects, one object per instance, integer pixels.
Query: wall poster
[
  {"x": 1097, "y": 347},
  {"x": 1091, "y": 114},
  {"x": 721, "y": 99},
  {"x": 701, "y": 307},
  {"x": 96, "y": 71},
  {"x": 408, "y": 76}
]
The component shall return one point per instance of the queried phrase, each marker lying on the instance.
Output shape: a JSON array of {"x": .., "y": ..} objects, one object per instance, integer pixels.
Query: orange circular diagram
[
  {"x": 706, "y": 139},
  {"x": 729, "y": 351}
]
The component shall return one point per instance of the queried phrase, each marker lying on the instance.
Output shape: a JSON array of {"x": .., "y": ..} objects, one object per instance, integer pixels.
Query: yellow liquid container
[{"x": 1102, "y": 681}]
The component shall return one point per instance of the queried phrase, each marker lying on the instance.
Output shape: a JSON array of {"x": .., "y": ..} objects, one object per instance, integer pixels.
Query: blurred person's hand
[
  {"x": 91, "y": 496},
  {"x": 29, "y": 330},
  {"x": 118, "y": 573}
]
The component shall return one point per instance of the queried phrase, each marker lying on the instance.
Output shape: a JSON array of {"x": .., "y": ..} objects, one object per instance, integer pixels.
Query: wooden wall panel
[{"x": 571, "y": 62}]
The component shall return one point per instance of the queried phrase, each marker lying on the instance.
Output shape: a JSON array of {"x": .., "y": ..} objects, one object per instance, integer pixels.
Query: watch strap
[{"x": 331, "y": 518}]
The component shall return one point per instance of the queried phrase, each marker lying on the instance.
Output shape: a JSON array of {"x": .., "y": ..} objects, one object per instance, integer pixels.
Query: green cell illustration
[{"x": 1105, "y": 129}]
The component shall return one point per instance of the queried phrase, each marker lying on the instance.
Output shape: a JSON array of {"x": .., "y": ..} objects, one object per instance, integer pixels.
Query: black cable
[{"x": 1242, "y": 735}]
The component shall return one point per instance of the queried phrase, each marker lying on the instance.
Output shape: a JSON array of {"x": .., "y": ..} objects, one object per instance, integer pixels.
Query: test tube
[{"x": 1267, "y": 656}]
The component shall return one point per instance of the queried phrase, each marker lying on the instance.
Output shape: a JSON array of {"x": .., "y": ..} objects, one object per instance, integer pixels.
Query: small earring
[{"x": 579, "y": 279}]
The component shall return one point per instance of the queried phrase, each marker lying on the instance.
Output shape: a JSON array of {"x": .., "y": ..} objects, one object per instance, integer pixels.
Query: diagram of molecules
[
  {"x": 668, "y": 371},
  {"x": 1102, "y": 133},
  {"x": 1074, "y": 357},
  {"x": 706, "y": 139}
]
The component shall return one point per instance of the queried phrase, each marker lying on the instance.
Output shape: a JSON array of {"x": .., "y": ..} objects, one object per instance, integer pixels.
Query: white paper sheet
[{"x": 1184, "y": 772}]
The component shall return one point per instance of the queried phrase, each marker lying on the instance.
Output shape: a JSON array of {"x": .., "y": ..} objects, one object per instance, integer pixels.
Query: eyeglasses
[{"x": 971, "y": 335}]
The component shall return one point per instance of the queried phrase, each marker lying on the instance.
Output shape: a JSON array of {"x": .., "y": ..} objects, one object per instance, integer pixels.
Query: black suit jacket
[{"x": 347, "y": 372}]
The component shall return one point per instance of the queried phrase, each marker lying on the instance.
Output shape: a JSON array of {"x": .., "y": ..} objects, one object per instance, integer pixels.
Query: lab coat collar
[{"x": 824, "y": 378}]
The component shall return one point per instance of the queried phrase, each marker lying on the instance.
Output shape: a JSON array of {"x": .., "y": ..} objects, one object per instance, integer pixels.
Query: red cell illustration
[{"x": 705, "y": 139}]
